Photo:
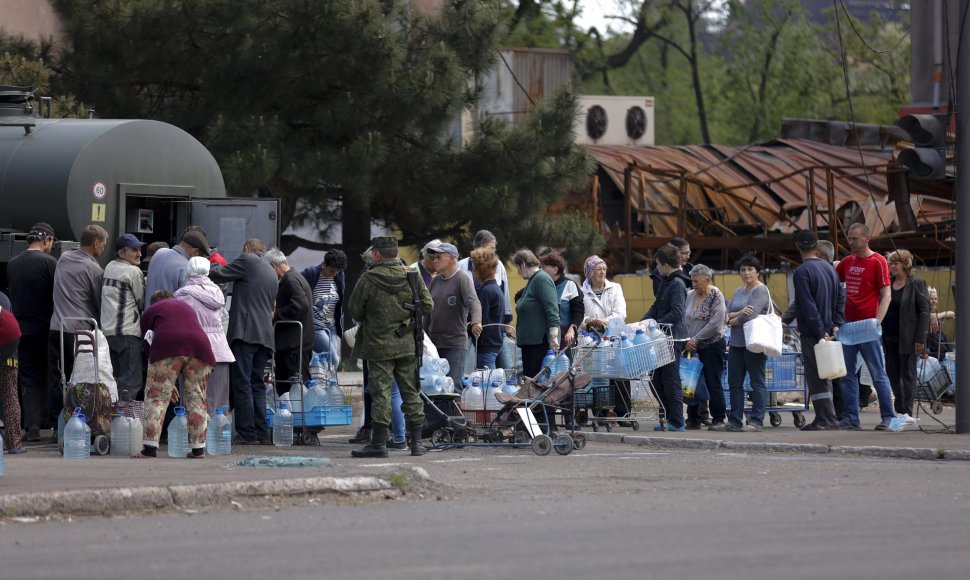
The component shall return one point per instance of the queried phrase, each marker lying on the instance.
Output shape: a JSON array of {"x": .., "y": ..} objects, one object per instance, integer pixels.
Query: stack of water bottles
[
  {"x": 553, "y": 365},
  {"x": 434, "y": 376}
]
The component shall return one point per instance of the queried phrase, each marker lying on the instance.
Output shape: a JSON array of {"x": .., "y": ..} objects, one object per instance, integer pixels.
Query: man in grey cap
[
  {"x": 30, "y": 279},
  {"x": 122, "y": 298},
  {"x": 458, "y": 311},
  {"x": 386, "y": 341},
  {"x": 819, "y": 306},
  {"x": 168, "y": 269}
]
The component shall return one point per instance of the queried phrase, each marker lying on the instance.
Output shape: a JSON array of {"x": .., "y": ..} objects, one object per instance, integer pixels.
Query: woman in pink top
[{"x": 208, "y": 302}]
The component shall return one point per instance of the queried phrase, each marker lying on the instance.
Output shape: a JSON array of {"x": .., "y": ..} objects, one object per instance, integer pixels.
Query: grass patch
[{"x": 399, "y": 481}]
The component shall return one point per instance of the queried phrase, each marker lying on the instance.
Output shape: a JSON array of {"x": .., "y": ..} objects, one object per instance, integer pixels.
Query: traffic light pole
[{"x": 963, "y": 222}]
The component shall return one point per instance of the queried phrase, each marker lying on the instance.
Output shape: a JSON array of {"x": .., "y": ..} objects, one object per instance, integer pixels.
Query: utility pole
[{"x": 962, "y": 196}]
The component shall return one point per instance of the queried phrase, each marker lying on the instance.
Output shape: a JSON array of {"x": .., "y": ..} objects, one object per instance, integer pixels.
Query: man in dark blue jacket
[
  {"x": 669, "y": 308},
  {"x": 819, "y": 307}
]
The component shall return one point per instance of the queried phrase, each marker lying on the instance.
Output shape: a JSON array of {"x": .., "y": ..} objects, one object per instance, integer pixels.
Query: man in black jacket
[
  {"x": 669, "y": 308},
  {"x": 294, "y": 344}
]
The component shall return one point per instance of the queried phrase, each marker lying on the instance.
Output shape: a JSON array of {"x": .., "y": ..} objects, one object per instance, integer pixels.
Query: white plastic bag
[
  {"x": 764, "y": 334},
  {"x": 84, "y": 371}
]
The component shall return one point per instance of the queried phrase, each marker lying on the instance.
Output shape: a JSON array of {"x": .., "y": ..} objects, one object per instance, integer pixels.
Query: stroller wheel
[
  {"x": 102, "y": 445},
  {"x": 542, "y": 444},
  {"x": 520, "y": 437},
  {"x": 579, "y": 441},
  {"x": 308, "y": 437},
  {"x": 563, "y": 444},
  {"x": 440, "y": 437},
  {"x": 937, "y": 408}
]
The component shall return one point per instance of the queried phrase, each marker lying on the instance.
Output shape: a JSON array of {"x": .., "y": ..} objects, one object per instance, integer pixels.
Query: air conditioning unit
[{"x": 607, "y": 120}]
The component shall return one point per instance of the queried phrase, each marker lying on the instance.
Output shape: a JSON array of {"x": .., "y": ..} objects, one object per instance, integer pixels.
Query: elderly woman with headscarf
[
  {"x": 603, "y": 300},
  {"x": 208, "y": 303}
]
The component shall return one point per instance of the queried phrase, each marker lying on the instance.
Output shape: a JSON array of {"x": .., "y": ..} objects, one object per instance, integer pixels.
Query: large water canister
[{"x": 830, "y": 359}]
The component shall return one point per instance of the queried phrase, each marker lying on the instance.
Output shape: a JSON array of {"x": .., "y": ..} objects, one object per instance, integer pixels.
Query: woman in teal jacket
[{"x": 537, "y": 313}]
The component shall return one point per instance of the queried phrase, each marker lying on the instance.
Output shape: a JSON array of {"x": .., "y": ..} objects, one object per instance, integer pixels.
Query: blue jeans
[
  {"x": 397, "y": 415},
  {"x": 486, "y": 359},
  {"x": 326, "y": 342},
  {"x": 872, "y": 355},
  {"x": 248, "y": 393},
  {"x": 742, "y": 361}
]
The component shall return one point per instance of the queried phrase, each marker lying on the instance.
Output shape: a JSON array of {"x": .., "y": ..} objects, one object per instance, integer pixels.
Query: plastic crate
[
  {"x": 937, "y": 384},
  {"x": 584, "y": 398},
  {"x": 328, "y": 415},
  {"x": 604, "y": 396},
  {"x": 782, "y": 373}
]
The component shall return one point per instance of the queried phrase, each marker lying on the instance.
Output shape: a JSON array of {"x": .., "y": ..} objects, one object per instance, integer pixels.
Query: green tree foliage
[
  {"x": 24, "y": 63},
  {"x": 344, "y": 109}
]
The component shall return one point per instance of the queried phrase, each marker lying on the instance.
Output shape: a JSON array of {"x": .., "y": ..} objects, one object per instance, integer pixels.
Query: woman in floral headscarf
[{"x": 604, "y": 300}]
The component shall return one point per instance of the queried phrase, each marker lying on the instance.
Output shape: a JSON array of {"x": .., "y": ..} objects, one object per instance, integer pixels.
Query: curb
[
  {"x": 763, "y": 447},
  {"x": 101, "y": 501}
]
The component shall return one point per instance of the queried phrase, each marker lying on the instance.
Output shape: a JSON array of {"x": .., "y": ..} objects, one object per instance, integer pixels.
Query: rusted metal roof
[{"x": 766, "y": 184}]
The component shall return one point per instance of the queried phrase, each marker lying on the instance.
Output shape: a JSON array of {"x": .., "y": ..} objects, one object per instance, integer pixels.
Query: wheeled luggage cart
[
  {"x": 93, "y": 398},
  {"x": 307, "y": 423}
]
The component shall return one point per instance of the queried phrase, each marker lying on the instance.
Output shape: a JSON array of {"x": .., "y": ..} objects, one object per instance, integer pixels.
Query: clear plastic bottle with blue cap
[
  {"x": 77, "y": 437},
  {"x": 218, "y": 439},
  {"x": 335, "y": 395},
  {"x": 283, "y": 426},
  {"x": 510, "y": 387},
  {"x": 317, "y": 370},
  {"x": 860, "y": 331},
  {"x": 178, "y": 434},
  {"x": 316, "y": 395}
]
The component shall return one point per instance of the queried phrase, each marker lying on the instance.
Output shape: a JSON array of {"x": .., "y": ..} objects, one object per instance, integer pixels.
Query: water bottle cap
[
  {"x": 311, "y": 383},
  {"x": 639, "y": 331},
  {"x": 82, "y": 418},
  {"x": 221, "y": 411},
  {"x": 179, "y": 411},
  {"x": 283, "y": 405},
  {"x": 550, "y": 352}
]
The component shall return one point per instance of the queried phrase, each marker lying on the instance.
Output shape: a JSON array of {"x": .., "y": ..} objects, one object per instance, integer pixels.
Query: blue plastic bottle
[
  {"x": 77, "y": 439},
  {"x": 218, "y": 439},
  {"x": 546, "y": 362},
  {"x": 860, "y": 331},
  {"x": 510, "y": 387},
  {"x": 178, "y": 434},
  {"x": 623, "y": 356},
  {"x": 283, "y": 426}
]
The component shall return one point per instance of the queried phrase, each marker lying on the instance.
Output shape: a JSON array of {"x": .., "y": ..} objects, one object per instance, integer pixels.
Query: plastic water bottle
[
  {"x": 473, "y": 398},
  {"x": 640, "y": 337},
  {"x": 432, "y": 385},
  {"x": 137, "y": 434},
  {"x": 444, "y": 367},
  {"x": 120, "y": 436},
  {"x": 510, "y": 387},
  {"x": 316, "y": 395},
  {"x": 615, "y": 326},
  {"x": 335, "y": 395},
  {"x": 178, "y": 434},
  {"x": 297, "y": 393},
  {"x": 77, "y": 438},
  {"x": 491, "y": 403},
  {"x": 317, "y": 371},
  {"x": 860, "y": 332},
  {"x": 447, "y": 385},
  {"x": 623, "y": 355},
  {"x": 283, "y": 426},
  {"x": 429, "y": 365},
  {"x": 219, "y": 436}
]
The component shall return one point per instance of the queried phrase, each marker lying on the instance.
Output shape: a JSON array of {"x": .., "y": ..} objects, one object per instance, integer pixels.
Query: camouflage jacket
[{"x": 377, "y": 304}]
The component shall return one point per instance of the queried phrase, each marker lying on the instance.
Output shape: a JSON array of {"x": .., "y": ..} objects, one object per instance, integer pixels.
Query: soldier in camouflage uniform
[{"x": 386, "y": 342}]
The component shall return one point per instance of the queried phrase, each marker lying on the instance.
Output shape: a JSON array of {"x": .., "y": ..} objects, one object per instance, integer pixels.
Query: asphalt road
[{"x": 610, "y": 512}]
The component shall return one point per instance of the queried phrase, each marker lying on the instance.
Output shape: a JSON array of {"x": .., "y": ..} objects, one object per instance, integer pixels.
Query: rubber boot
[
  {"x": 362, "y": 436},
  {"x": 377, "y": 448},
  {"x": 414, "y": 440}
]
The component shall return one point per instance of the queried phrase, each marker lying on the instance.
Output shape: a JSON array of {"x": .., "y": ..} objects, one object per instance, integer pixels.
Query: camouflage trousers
[
  {"x": 379, "y": 375},
  {"x": 161, "y": 383}
]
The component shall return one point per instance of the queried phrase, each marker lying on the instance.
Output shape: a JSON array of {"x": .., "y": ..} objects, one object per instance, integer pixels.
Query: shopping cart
[{"x": 933, "y": 382}]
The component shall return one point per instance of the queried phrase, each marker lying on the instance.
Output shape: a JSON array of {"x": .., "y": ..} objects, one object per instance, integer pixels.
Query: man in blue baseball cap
[{"x": 122, "y": 299}]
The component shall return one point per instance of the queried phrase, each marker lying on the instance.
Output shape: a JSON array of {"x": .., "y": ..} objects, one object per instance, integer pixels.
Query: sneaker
[
  {"x": 723, "y": 427},
  {"x": 402, "y": 446},
  {"x": 884, "y": 425},
  {"x": 672, "y": 428},
  {"x": 753, "y": 427},
  {"x": 846, "y": 426},
  {"x": 16, "y": 450},
  {"x": 819, "y": 427}
]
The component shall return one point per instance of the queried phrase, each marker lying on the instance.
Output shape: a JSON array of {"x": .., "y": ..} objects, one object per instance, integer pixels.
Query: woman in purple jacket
[
  {"x": 208, "y": 302},
  {"x": 177, "y": 346}
]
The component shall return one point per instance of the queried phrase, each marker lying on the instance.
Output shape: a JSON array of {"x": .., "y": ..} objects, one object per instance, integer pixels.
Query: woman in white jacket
[
  {"x": 208, "y": 302},
  {"x": 604, "y": 300}
]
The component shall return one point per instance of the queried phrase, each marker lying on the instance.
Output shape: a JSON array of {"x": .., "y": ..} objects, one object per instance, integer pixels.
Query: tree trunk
[{"x": 695, "y": 74}]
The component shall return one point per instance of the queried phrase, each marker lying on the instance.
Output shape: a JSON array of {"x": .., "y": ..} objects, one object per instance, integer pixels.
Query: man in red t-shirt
[{"x": 867, "y": 295}]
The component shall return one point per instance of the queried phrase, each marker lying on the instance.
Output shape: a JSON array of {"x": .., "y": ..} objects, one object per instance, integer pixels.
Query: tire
[
  {"x": 102, "y": 444},
  {"x": 563, "y": 444},
  {"x": 937, "y": 408},
  {"x": 579, "y": 441},
  {"x": 542, "y": 444},
  {"x": 799, "y": 420},
  {"x": 774, "y": 419},
  {"x": 308, "y": 437},
  {"x": 440, "y": 437},
  {"x": 520, "y": 437},
  {"x": 635, "y": 425}
]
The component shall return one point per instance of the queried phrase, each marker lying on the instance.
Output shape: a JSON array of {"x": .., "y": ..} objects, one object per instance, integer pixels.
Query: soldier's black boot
[
  {"x": 377, "y": 448},
  {"x": 414, "y": 440},
  {"x": 363, "y": 435}
]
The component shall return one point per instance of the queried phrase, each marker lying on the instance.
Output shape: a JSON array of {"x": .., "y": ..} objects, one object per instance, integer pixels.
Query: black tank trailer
[{"x": 142, "y": 177}]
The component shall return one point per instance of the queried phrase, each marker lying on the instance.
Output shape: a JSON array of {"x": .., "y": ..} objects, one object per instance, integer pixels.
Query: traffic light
[{"x": 927, "y": 160}]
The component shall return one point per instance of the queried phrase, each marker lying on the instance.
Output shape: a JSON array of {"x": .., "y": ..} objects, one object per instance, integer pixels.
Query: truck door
[{"x": 230, "y": 221}]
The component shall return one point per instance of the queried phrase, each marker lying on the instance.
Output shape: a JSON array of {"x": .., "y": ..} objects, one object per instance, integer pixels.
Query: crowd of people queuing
[{"x": 172, "y": 337}]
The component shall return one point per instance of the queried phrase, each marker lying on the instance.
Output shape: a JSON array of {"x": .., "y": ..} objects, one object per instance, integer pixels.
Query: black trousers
[
  {"x": 288, "y": 363},
  {"x": 32, "y": 362},
  {"x": 901, "y": 369}
]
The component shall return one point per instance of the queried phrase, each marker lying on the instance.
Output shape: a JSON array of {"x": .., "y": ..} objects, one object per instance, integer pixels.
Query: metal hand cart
[
  {"x": 307, "y": 423},
  {"x": 933, "y": 382},
  {"x": 85, "y": 342},
  {"x": 635, "y": 363}
]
